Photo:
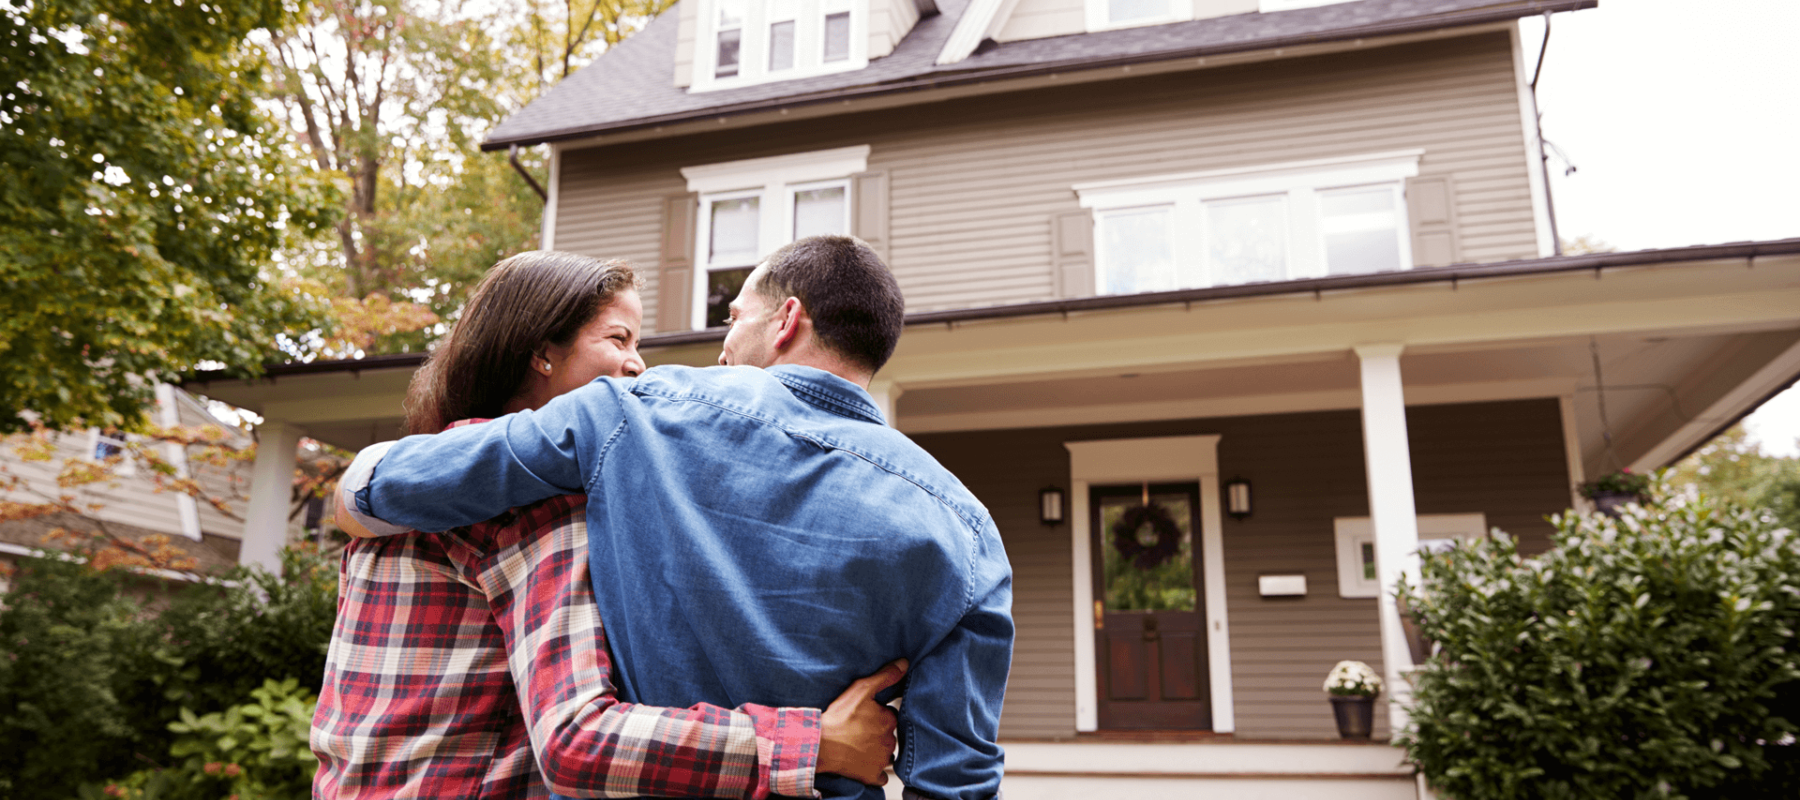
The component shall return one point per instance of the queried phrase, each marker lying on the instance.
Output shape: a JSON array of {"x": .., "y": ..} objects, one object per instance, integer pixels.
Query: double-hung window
[
  {"x": 750, "y": 208},
  {"x": 1272, "y": 223},
  {"x": 757, "y": 41}
]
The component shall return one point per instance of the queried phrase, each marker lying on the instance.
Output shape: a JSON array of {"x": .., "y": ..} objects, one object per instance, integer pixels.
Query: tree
[
  {"x": 142, "y": 194},
  {"x": 1733, "y": 468}
]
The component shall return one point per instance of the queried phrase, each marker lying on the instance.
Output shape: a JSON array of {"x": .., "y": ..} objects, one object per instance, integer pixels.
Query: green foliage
[
  {"x": 1651, "y": 655},
  {"x": 1622, "y": 482},
  {"x": 97, "y": 680},
  {"x": 261, "y": 746},
  {"x": 1167, "y": 585},
  {"x": 67, "y": 642},
  {"x": 142, "y": 192},
  {"x": 1734, "y": 468}
]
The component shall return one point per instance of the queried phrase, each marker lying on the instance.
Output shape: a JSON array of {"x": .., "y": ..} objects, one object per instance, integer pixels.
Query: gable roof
[{"x": 632, "y": 85}]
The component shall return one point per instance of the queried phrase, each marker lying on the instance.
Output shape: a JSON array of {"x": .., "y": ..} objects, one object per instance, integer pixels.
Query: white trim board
[
  {"x": 755, "y": 173},
  {"x": 1165, "y": 458}
]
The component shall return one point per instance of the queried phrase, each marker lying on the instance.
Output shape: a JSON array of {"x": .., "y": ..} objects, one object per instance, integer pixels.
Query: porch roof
[{"x": 1690, "y": 339}]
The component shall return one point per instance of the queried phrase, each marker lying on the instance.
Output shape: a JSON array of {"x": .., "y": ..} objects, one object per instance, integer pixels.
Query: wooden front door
[{"x": 1149, "y": 616}]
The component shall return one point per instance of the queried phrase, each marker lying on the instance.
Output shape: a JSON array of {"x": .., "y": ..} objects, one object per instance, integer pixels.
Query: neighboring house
[
  {"x": 129, "y": 506},
  {"x": 1291, "y": 250}
]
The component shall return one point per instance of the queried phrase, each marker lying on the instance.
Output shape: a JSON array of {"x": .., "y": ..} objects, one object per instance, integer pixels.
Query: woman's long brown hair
[{"x": 524, "y": 302}]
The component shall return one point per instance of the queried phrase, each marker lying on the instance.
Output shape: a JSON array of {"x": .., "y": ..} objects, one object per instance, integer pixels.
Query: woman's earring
[{"x": 546, "y": 367}]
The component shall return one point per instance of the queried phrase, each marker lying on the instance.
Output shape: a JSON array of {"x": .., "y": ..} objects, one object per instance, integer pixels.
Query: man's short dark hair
[{"x": 852, "y": 297}]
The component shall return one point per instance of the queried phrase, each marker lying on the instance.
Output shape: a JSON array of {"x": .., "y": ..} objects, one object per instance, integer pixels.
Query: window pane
[
  {"x": 1361, "y": 230},
  {"x": 818, "y": 212},
  {"x": 728, "y": 53},
  {"x": 1135, "y": 246},
  {"x": 1368, "y": 561},
  {"x": 837, "y": 36},
  {"x": 722, "y": 287},
  {"x": 734, "y": 228},
  {"x": 106, "y": 447},
  {"x": 1247, "y": 239},
  {"x": 781, "y": 46},
  {"x": 1129, "y": 10}
]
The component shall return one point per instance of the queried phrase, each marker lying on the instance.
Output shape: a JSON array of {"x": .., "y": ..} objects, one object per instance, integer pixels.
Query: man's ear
[{"x": 791, "y": 313}]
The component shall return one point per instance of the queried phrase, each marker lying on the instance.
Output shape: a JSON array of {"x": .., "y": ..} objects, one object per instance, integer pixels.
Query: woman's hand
[
  {"x": 349, "y": 525},
  {"x": 858, "y": 736}
]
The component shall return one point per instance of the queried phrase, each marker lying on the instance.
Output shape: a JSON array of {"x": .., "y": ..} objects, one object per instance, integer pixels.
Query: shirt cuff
[
  {"x": 787, "y": 744},
  {"x": 353, "y": 490}
]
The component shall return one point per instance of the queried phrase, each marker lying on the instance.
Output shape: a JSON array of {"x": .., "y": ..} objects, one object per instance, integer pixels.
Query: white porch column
[
  {"x": 886, "y": 395},
  {"x": 1391, "y": 509},
  {"x": 271, "y": 486}
]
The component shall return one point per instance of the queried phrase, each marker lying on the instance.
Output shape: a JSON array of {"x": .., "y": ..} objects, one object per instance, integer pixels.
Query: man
[{"x": 759, "y": 535}]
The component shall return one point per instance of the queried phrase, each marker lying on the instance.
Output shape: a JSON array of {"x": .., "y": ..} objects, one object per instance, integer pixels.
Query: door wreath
[{"x": 1146, "y": 556}]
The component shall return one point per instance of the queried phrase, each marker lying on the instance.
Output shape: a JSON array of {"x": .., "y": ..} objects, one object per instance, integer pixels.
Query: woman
[{"x": 473, "y": 662}]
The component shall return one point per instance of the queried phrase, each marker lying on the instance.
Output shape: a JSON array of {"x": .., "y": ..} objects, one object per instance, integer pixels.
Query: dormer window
[{"x": 759, "y": 41}]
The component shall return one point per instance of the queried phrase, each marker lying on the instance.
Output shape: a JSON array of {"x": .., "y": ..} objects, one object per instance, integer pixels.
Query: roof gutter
[
  {"x": 953, "y": 78},
  {"x": 1593, "y": 262}
]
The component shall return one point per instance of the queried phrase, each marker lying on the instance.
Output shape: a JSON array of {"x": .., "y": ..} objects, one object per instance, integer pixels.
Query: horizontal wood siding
[
  {"x": 130, "y": 499},
  {"x": 613, "y": 209},
  {"x": 889, "y": 22},
  {"x": 1039, "y": 19},
  {"x": 1503, "y": 459},
  {"x": 974, "y": 183}
]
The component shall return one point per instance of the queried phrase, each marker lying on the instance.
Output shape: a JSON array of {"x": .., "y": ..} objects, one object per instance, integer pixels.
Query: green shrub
[
  {"x": 1651, "y": 655},
  {"x": 254, "y": 751},
  {"x": 90, "y": 681}
]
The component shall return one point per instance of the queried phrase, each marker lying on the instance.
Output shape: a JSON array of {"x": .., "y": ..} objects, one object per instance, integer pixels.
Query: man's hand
[{"x": 858, "y": 737}]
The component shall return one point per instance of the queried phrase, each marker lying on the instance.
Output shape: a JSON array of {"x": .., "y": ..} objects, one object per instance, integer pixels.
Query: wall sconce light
[
  {"x": 1237, "y": 498},
  {"x": 1050, "y": 506}
]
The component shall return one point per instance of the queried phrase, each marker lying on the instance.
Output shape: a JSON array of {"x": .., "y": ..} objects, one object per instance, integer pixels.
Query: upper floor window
[
  {"x": 756, "y": 41},
  {"x": 750, "y": 208},
  {"x": 1278, "y": 222},
  {"x": 106, "y": 445}
]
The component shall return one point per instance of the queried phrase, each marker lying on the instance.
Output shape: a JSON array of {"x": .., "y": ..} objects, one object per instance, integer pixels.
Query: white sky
[{"x": 1684, "y": 119}]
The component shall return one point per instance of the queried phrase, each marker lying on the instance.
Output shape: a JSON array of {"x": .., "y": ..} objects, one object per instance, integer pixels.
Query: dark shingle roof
[{"x": 633, "y": 84}]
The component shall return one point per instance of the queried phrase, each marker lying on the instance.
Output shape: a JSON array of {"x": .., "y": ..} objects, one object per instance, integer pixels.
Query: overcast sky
[{"x": 1683, "y": 118}]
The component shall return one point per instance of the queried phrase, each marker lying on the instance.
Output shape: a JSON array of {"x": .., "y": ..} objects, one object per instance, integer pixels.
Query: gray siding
[
  {"x": 1504, "y": 459},
  {"x": 975, "y": 183}
]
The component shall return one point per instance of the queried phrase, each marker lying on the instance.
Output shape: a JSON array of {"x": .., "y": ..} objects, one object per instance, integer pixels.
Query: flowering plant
[
  {"x": 1622, "y": 482},
  {"x": 1353, "y": 679}
]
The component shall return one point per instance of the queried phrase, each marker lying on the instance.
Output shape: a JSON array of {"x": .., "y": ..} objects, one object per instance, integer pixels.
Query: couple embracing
[{"x": 674, "y": 582}]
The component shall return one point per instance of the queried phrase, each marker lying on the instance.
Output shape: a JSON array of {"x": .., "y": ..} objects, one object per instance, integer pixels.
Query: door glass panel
[
  {"x": 819, "y": 211},
  {"x": 1361, "y": 230},
  {"x": 1247, "y": 239},
  {"x": 734, "y": 231},
  {"x": 1137, "y": 249},
  {"x": 1147, "y": 553}
]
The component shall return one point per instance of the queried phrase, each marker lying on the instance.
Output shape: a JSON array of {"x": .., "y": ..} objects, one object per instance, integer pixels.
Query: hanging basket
[{"x": 1146, "y": 556}]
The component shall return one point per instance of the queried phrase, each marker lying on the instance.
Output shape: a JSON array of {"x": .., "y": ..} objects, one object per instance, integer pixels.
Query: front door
[{"x": 1149, "y": 620}]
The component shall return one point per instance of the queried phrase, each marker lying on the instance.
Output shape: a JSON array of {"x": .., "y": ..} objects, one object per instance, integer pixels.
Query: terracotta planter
[
  {"x": 1355, "y": 716},
  {"x": 1612, "y": 503}
]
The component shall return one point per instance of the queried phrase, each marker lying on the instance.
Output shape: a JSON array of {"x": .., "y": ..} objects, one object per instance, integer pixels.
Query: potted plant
[
  {"x": 1613, "y": 492},
  {"x": 1353, "y": 687}
]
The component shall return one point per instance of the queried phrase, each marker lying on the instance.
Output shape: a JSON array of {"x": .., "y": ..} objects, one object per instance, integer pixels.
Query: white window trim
[
  {"x": 1301, "y": 181},
  {"x": 774, "y": 180},
  {"x": 127, "y": 466},
  {"x": 1436, "y": 531},
  {"x": 1098, "y": 16},
  {"x": 753, "y": 44},
  {"x": 1266, "y": 6}
]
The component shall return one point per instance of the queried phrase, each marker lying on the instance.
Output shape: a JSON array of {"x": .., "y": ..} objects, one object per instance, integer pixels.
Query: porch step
[{"x": 1105, "y": 770}]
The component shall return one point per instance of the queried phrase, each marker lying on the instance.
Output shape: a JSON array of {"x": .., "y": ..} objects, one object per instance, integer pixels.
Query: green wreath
[{"x": 1146, "y": 556}]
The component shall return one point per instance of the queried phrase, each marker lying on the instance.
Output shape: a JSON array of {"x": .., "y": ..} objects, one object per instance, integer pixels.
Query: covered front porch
[{"x": 1398, "y": 407}]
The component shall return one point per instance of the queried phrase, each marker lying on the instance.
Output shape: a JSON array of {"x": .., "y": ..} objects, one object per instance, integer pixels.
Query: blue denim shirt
[{"x": 756, "y": 536}]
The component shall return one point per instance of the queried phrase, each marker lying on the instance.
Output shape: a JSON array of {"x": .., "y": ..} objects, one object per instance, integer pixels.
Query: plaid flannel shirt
[{"x": 458, "y": 656}]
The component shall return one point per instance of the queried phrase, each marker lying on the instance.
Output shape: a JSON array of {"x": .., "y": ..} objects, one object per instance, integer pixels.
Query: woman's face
[{"x": 605, "y": 347}]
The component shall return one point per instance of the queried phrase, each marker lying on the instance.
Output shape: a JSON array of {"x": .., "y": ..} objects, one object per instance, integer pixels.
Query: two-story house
[{"x": 1223, "y": 307}]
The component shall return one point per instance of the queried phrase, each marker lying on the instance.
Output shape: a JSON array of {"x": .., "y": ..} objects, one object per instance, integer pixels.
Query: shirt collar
[{"x": 827, "y": 391}]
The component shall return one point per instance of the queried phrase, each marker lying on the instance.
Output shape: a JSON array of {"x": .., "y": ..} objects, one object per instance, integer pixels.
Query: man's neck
[{"x": 829, "y": 363}]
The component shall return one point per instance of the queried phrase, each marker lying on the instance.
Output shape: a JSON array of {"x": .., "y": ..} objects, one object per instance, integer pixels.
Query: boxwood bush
[{"x": 1647, "y": 656}]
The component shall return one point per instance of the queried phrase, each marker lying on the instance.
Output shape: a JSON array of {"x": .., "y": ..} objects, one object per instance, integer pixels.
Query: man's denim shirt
[{"x": 756, "y": 536}]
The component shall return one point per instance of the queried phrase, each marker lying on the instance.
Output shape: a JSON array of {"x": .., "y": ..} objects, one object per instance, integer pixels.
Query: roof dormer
[{"x": 729, "y": 43}]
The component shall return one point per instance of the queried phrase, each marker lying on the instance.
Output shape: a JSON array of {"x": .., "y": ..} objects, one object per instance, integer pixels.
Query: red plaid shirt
[{"x": 458, "y": 656}]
